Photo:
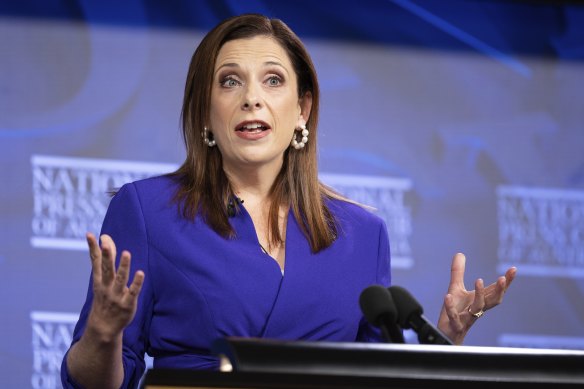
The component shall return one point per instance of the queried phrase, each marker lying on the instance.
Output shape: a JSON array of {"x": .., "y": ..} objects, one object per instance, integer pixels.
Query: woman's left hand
[{"x": 462, "y": 308}]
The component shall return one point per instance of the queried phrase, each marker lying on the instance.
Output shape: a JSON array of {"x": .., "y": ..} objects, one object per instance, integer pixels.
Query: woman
[{"x": 242, "y": 240}]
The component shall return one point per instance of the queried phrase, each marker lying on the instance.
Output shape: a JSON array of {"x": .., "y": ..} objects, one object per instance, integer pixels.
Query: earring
[
  {"x": 208, "y": 142},
  {"x": 298, "y": 145}
]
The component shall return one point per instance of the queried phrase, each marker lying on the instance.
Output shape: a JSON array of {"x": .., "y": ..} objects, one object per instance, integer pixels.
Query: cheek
[
  {"x": 220, "y": 113},
  {"x": 289, "y": 117}
]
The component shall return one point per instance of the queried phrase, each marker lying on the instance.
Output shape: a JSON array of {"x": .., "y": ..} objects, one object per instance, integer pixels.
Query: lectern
[{"x": 262, "y": 363}]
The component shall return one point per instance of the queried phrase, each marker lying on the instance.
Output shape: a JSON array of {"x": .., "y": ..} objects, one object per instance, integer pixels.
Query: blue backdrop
[{"x": 461, "y": 121}]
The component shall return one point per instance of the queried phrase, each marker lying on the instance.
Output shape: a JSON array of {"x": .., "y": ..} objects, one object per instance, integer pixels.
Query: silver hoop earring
[
  {"x": 208, "y": 142},
  {"x": 298, "y": 145}
]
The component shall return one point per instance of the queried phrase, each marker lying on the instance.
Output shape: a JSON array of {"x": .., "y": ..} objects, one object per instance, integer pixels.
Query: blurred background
[{"x": 461, "y": 121}]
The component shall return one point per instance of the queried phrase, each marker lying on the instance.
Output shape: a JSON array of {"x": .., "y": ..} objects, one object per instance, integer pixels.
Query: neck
[{"x": 252, "y": 183}]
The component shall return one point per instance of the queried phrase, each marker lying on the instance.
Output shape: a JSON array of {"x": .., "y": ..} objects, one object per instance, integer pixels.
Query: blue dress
[{"x": 200, "y": 286}]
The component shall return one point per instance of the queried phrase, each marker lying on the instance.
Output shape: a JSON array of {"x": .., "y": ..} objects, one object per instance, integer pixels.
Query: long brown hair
[{"x": 204, "y": 186}]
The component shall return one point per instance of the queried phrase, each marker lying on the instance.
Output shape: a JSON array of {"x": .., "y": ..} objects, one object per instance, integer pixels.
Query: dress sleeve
[
  {"x": 367, "y": 332},
  {"x": 124, "y": 222}
]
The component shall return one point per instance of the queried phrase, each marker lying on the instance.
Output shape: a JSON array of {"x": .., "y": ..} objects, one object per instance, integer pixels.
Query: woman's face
[{"x": 254, "y": 103}]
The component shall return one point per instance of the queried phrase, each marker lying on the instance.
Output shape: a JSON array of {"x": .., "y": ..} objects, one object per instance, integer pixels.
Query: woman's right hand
[{"x": 114, "y": 303}]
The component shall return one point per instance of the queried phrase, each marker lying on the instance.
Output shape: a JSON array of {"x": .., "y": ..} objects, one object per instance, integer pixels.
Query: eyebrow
[{"x": 236, "y": 65}]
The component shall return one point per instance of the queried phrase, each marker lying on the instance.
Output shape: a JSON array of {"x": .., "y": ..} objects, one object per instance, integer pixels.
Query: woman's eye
[
  {"x": 274, "y": 81},
  {"x": 229, "y": 82}
]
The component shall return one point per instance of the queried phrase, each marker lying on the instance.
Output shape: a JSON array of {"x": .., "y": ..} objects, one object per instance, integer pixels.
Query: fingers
[
  {"x": 134, "y": 289},
  {"x": 129, "y": 294},
  {"x": 510, "y": 276},
  {"x": 103, "y": 266},
  {"x": 478, "y": 303},
  {"x": 114, "y": 303},
  {"x": 495, "y": 292},
  {"x": 95, "y": 255},
  {"x": 457, "y": 316},
  {"x": 457, "y": 272},
  {"x": 123, "y": 273},
  {"x": 108, "y": 259},
  {"x": 452, "y": 313}
]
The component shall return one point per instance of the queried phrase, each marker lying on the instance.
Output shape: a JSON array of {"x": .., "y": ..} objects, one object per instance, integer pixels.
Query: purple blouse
[{"x": 200, "y": 286}]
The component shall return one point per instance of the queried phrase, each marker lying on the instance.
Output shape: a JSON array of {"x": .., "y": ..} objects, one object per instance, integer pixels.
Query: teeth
[{"x": 252, "y": 126}]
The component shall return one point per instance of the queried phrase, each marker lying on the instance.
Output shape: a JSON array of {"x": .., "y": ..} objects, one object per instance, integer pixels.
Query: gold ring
[{"x": 477, "y": 314}]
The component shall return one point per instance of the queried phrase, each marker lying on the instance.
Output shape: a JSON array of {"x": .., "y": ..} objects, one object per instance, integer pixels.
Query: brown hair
[{"x": 204, "y": 186}]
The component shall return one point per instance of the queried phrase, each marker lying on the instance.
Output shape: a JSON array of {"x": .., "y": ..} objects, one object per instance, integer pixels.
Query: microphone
[
  {"x": 411, "y": 316},
  {"x": 380, "y": 310},
  {"x": 231, "y": 206}
]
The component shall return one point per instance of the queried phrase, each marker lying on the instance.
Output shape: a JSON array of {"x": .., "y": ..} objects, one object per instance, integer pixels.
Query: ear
[{"x": 305, "y": 103}]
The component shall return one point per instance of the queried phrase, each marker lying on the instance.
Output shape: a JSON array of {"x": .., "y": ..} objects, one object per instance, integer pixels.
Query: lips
[{"x": 252, "y": 126}]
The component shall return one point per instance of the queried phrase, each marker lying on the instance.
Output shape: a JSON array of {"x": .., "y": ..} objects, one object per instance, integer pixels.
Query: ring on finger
[{"x": 475, "y": 314}]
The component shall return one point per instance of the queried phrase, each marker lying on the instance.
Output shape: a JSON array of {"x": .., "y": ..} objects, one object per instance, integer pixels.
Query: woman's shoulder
[
  {"x": 159, "y": 182},
  {"x": 349, "y": 210},
  {"x": 151, "y": 188}
]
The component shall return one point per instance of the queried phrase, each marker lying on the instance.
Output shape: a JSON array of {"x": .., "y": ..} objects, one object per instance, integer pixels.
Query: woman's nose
[{"x": 251, "y": 99}]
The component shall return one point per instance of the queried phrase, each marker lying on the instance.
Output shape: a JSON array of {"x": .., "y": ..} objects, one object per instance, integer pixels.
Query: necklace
[{"x": 263, "y": 249}]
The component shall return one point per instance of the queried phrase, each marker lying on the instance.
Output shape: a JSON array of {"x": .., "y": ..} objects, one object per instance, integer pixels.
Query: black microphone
[
  {"x": 231, "y": 206},
  {"x": 379, "y": 310},
  {"x": 410, "y": 315}
]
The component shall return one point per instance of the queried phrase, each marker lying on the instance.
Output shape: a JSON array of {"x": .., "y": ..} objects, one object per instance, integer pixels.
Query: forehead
[{"x": 258, "y": 48}]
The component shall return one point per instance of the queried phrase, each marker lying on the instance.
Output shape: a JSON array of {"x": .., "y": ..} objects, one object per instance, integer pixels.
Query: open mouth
[{"x": 252, "y": 127}]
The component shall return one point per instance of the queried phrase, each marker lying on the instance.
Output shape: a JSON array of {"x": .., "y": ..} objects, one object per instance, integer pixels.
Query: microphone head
[
  {"x": 230, "y": 209},
  {"x": 377, "y": 305},
  {"x": 407, "y": 305}
]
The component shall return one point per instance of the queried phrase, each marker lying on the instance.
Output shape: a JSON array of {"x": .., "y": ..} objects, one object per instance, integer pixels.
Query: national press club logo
[
  {"x": 52, "y": 333},
  {"x": 389, "y": 198},
  {"x": 71, "y": 196},
  {"x": 51, "y": 337},
  {"x": 541, "y": 231}
]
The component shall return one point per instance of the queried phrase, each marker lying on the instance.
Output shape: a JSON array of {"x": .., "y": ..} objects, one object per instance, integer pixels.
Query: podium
[{"x": 261, "y": 363}]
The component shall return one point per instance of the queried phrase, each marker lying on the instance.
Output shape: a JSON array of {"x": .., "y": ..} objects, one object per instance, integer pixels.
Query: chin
[{"x": 259, "y": 159}]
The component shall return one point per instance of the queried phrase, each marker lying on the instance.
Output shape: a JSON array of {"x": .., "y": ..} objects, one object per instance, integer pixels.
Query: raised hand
[
  {"x": 95, "y": 361},
  {"x": 461, "y": 307},
  {"x": 114, "y": 303}
]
